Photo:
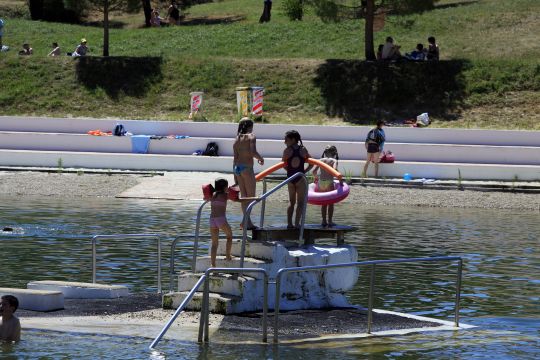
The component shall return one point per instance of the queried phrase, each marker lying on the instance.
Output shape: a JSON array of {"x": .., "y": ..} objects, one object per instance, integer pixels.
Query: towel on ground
[{"x": 140, "y": 144}]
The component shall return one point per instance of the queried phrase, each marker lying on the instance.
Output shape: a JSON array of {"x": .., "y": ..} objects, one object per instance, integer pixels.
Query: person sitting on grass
[
  {"x": 418, "y": 54},
  {"x": 155, "y": 19},
  {"x": 55, "y": 50},
  {"x": 390, "y": 51},
  {"x": 26, "y": 50},
  {"x": 81, "y": 49},
  {"x": 10, "y": 326},
  {"x": 433, "y": 49},
  {"x": 379, "y": 51},
  {"x": 173, "y": 13}
]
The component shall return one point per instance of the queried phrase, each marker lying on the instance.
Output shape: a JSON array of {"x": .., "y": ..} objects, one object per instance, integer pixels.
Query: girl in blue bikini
[
  {"x": 245, "y": 149},
  {"x": 218, "y": 219},
  {"x": 295, "y": 156}
]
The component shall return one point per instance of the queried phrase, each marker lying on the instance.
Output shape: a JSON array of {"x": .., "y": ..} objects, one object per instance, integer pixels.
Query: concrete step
[
  {"x": 219, "y": 304},
  {"x": 36, "y": 300},
  {"x": 348, "y": 150},
  {"x": 227, "y": 284},
  {"x": 262, "y": 250},
  {"x": 95, "y": 160},
  {"x": 81, "y": 290},
  {"x": 274, "y": 131},
  {"x": 203, "y": 263}
]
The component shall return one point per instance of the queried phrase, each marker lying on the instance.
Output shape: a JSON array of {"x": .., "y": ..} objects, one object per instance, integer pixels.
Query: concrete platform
[
  {"x": 81, "y": 290},
  {"x": 36, "y": 300}
]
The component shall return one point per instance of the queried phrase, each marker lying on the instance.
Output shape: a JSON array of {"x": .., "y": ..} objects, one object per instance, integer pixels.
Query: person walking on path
[
  {"x": 245, "y": 150},
  {"x": 374, "y": 146}
]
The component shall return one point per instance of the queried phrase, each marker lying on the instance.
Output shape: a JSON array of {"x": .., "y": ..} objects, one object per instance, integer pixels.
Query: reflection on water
[{"x": 500, "y": 285}]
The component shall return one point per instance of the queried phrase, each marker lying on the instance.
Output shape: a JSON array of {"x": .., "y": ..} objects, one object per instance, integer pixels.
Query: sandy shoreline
[{"x": 186, "y": 186}]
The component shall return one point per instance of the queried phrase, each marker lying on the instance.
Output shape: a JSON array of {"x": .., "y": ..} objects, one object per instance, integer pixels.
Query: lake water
[{"x": 500, "y": 294}]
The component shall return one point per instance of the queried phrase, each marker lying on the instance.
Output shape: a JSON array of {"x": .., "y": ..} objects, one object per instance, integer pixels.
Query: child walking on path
[
  {"x": 218, "y": 219},
  {"x": 325, "y": 182},
  {"x": 245, "y": 149},
  {"x": 295, "y": 156}
]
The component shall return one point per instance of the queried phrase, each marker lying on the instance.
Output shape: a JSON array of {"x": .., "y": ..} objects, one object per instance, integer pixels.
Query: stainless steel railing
[
  {"x": 174, "y": 244},
  {"x": 204, "y": 322},
  {"x": 178, "y": 311},
  {"x": 205, "y": 307},
  {"x": 373, "y": 264},
  {"x": 197, "y": 230},
  {"x": 126, "y": 236},
  {"x": 262, "y": 199}
]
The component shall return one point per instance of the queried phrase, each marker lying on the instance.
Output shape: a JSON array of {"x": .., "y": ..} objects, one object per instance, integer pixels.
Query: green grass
[{"x": 499, "y": 86}]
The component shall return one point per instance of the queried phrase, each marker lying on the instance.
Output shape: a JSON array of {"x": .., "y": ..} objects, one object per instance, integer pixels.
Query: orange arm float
[
  {"x": 325, "y": 167},
  {"x": 311, "y": 161}
]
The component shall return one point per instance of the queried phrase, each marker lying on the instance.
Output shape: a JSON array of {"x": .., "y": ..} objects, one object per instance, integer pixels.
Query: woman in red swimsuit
[{"x": 295, "y": 156}]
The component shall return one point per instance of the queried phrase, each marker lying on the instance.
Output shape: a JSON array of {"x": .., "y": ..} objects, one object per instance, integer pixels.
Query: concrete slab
[
  {"x": 81, "y": 290},
  {"x": 36, "y": 300}
]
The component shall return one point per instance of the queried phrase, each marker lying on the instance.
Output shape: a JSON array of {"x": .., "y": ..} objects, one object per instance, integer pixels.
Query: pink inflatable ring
[{"x": 339, "y": 193}]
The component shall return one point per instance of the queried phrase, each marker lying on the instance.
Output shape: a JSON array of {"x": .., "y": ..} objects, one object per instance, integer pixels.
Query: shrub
[{"x": 294, "y": 9}]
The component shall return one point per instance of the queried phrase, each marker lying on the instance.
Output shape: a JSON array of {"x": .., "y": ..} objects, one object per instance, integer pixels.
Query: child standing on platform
[
  {"x": 218, "y": 219},
  {"x": 295, "y": 156},
  {"x": 325, "y": 182}
]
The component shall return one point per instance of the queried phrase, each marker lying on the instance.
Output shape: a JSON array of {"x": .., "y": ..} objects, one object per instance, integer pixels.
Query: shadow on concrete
[
  {"x": 360, "y": 91},
  {"x": 131, "y": 76}
]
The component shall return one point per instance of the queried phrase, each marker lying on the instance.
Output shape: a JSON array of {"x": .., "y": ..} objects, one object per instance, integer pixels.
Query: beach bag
[
  {"x": 207, "y": 190},
  {"x": 119, "y": 130},
  {"x": 212, "y": 149},
  {"x": 388, "y": 157},
  {"x": 233, "y": 193}
]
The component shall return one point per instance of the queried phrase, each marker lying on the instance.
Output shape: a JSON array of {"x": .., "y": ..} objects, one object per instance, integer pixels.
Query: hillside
[{"x": 490, "y": 76}]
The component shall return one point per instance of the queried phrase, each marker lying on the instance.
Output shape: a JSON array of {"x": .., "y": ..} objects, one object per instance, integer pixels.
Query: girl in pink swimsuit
[{"x": 218, "y": 219}]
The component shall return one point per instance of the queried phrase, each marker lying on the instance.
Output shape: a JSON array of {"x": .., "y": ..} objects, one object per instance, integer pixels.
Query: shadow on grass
[
  {"x": 212, "y": 20},
  {"x": 131, "y": 76},
  {"x": 360, "y": 91},
  {"x": 456, "y": 4}
]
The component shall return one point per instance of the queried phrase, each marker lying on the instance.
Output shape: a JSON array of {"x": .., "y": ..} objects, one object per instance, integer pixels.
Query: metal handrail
[
  {"x": 178, "y": 311},
  {"x": 205, "y": 307},
  {"x": 262, "y": 198},
  {"x": 373, "y": 263},
  {"x": 197, "y": 229},
  {"x": 123, "y": 236},
  {"x": 174, "y": 244},
  {"x": 204, "y": 322}
]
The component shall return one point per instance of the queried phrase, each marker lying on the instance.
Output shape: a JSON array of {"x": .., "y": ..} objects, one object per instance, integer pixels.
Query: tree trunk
[
  {"x": 147, "y": 7},
  {"x": 106, "y": 28},
  {"x": 36, "y": 9},
  {"x": 369, "y": 48}
]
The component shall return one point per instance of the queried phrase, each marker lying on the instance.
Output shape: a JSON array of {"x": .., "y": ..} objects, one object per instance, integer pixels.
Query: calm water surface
[{"x": 501, "y": 285}]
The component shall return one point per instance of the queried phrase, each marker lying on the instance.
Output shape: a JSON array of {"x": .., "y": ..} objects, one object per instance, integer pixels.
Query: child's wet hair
[
  {"x": 220, "y": 185},
  {"x": 330, "y": 151},
  {"x": 244, "y": 125},
  {"x": 12, "y": 301},
  {"x": 295, "y": 135}
]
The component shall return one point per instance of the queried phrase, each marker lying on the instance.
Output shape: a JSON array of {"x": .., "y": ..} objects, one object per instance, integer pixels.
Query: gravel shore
[{"x": 185, "y": 186}]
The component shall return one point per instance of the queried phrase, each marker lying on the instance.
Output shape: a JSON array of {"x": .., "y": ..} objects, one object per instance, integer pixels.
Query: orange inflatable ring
[{"x": 311, "y": 161}]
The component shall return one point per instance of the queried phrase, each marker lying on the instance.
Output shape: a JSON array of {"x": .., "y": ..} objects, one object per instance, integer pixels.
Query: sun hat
[{"x": 83, "y": 40}]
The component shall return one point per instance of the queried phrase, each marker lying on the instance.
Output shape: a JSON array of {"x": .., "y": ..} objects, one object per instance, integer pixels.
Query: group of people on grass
[
  {"x": 80, "y": 50},
  {"x": 173, "y": 16},
  {"x": 295, "y": 157},
  {"x": 389, "y": 51}
]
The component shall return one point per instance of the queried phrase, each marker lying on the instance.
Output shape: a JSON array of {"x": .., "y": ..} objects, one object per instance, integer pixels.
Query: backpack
[
  {"x": 211, "y": 149},
  {"x": 376, "y": 136},
  {"x": 119, "y": 130}
]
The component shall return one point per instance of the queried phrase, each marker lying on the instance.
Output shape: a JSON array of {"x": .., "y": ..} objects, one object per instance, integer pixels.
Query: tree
[
  {"x": 106, "y": 7},
  {"x": 147, "y": 8},
  {"x": 36, "y": 9}
]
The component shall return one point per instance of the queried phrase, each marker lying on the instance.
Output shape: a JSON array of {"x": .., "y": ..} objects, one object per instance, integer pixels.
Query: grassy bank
[{"x": 476, "y": 86}]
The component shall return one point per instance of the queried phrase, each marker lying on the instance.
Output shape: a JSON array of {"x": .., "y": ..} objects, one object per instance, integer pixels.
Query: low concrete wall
[
  {"x": 224, "y": 164},
  {"x": 441, "y": 153},
  {"x": 270, "y": 131}
]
